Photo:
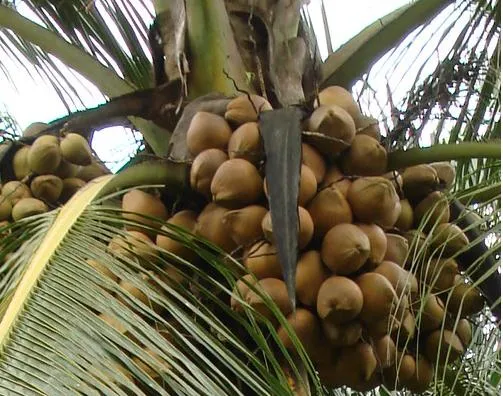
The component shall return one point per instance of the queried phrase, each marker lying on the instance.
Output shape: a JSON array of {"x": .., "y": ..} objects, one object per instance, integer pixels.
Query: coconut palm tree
[{"x": 68, "y": 328}]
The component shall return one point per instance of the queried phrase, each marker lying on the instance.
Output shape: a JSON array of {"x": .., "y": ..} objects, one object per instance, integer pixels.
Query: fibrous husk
[
  {"x": 369, "y": 126},
  {"x": 405, "y": 220},
  {"x": 309, "y": 276},
  {"x": 446, "y": 173},
  {"x": 448, "y": 240},
  {"x": 314, "y": 161},
  {"x": 185, "y": 219},
  {"x": 92, "y": 171},
  {"x": 206, "y": 131},
  {"x": 432, "y": 210},
  {"x": 443, "y": 345},
  {"x": 203, "y": 169},
  {"x": 339, "y": 96},
  {"x": 26, "y": 207},
  {"x": 246, "y": 108},
  {"x": 335, "y": 177},
  {"x": 306, "y": 228},
  {"x": 397, "y": 249},
  {"x": 47, "y": 188},
  {"x": 342, "y": 334},
  {"x": 378, "y": 244},
  {"x": 44, "y": 155},
  {"x": 379, "y": 297},
  {"x": 422, "y": 377},
  {"x": 209, "y": 226},
  {"x": 236, "y": 183},
  {"x": 76, "y": 150},
  {"x": 404, "y": 282},
  {"x": 20, "y": 163},
  {"x": 306, "y": 327},
  {"x": 374, "y": 200},
  {"x": 5, "y": 208},
  {"x": 276, "y": 290},
  {"x": 365, "y": 157},
  {"x": 384, "y": 351},
  {"x": 15, "y": 190},
  {"x": 245, "y": 224},
  {"x": 464, "y": 298},
  {"x": 439, "y": 274},
  {"x": 70, "y": 186},
  {"x": 339, "y": 300},
  {"x": 430, "y": 312},
  {"x": 34, "y": 129},
  {"x": 345, "y": 249},
  {"x": 419, "y": 181},
  {"x": 262, "y": 261},
  {"x": 143, "y": 204},
  {"x": 328, "y": 208},
  {"x": 245, "y": 143}
]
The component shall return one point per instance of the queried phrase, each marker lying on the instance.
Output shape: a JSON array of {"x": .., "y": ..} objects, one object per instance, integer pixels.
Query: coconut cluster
[{"x": 48, "y": 172}]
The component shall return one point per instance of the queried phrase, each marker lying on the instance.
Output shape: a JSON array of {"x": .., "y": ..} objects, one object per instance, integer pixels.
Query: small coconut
[
  {"x": 245, "y": 143},
  {"x": 240, "y": 291},
  {"x": 384, "y": 351},
  {"x": 15, "y": 190},
  {"x": 378, "y": 244},
  {"x": 374, "y": 200},
  {"x": 20, "y": 164},
  {"x": 334, "y": 176},
  {"x": 405, "y": 220},
  {"x": 334, "y": 129},
  {"x": 76, "y": 150},
  {"x": 103, "y": 269},
  {"x": 276, "y": 290},
  {"x": 420, "y": 381},
  {"x": 66, "y": 169},
  {"x": 5, "y": 208},
  {"x": 185, "y": 219},
  {"x": 432, "y": 210},
  {"x": 342, "y": 334},
  {"x": 309, "y": 276},
  {"x": 443, "y": 345},
  {"x": 464, "y": 298},
  {"x": 405, "y": 333},
  {"x": 34, "y": 129},
  {"x": 369, "y": 126},
  {"x": 246, "y": 108},
  {"x": 47, "y": 188},
  {"x": 307, "y": 186},
  {"x": 336, "y": 95},
  {"x": 396, "y": 179},
  {"x": 419, "y": 181},
  {"x": 92, "y": 171},
  {"x": 203, "y": 169},
  {"x": 448, "y": 240},
  {"x": 430, "y": 312},
  {"x": 143, "y": 204},
  {"x": 306, "y": 228},
  {"x": 439, "y": 274},
  {"x": 345, "y": 249},
  {"x": 209, "y": 226},
  {"x": 365, "y": 157},
  {"x": 314, "y": 161},
  {"x": 206, "y": 131},
  {"x": 418, "y": 249},
  {"x": 397, "y": 248},
  {"x": 26, "y": 207},
  {"x": 44, "y": 155},
  {"x": 328, "y": 208},
  {"x": 262, "y": 261},
  {"x": 339, "y": 300},
  {"x": 379, "y": 297},
  {"x": 245, "y": 224},
  {"x": 464, "y": 331},
  {"x": 306, "y": 327},
  {"x": 404, "y": 282},
  {"x": 236, "y": 183},
  {"x": 446, "y": 173},
  {"x": 400, "y": 372},
  {"x": 383, "y": 326},
  {"x": 70, "y": 186},
  {"x": 357, "y": 366},
  {"x": 133, "y": 243}
]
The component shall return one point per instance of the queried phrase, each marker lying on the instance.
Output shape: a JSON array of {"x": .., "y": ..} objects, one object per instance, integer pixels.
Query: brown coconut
[
  {"x": 240, "y": 291},
  {"x": 400, "y": 372},
  {"x": 209, "y": 226},
  {"x": 404, "y": 282},
  {"x": 44, "y": 155},
  {"x": 443, "y": 345},
  {"x": 143, "y": 204},
  {"x": 464, "y": 298},
  {"x": 185, "y": 219},
  {"x": 384, "y": 351},
  {"x": 339, "y": 300},
  {"x": 276, "y": 290},
  {"x": 76, "y": 150},
  {"x": 448, "y": 240},
  {"x": 422, "y": 377},
  {"x": 369, "y": 126},
  {"x": 379, "y": 297},
  {"x": 432, "y": 210},
  {"x": 90, "y": 172},
  {"x": 20, "y": 163},
  {"x": 70, "y": 186},
  {"x": 334, "y": 176},
  {"x": 357, "y": 366},
  {"x": 203, "y": 169},
  {"x": 365, "y": 157},
  {"x": 430, "y": 312},
  {"x": 5, "y": 208},
  {"x": 15, "y": 190},
  {"x": 245, "y": 143},
  {"x": 396, "y": 179},
  {"x": 47, "y": 188},
  {"x": 206, "y": 131},
  {"x": 262, "y": 261},
  {"x": 439, "y": 274},
  {"x": 314, "y": 161},
  {"x": 342, "y": 334},
  {"x": 246, "y": 108},
  {"x": 26, "y": 207},
  {"x": 397, "y": 248},
  {"x": 419, "y": 181},
  {"x": 309, "y": 276},
  {"x": 306, "y": 327},
  {"x": 446, "y": 173},
  {"x": 34, "y": 129},
  {"x": 405, "y": 220},
  {"x": 339, "y": 96},
  {"x": 378, "y": 244},
  {"x": 245, "y": 224}
]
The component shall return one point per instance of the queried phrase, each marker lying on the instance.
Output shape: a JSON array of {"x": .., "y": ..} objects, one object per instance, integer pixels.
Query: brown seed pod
[
  {"x": 439, "y": 274},
  {"x": 306, "y": 327},
  {"x": 70, "y": 187},
  {"x": 405, "y": 220},
  {"x": 464, "y": 298},
  {"x": 236, "y": 184},
  {"x": 240, "y": 291},
  {"x": 15, "y": 190},
  {"x": 448, "y": 240},
  {"x": 5, "y": 208},
  {"x": 378, "y": 244},
  {"x": 203, "y": 169},
  {"x": 309, "y": 276},
  {"x": 419, "y": 181},
  {"x": 339, "y": 96},
  {"x": 245, "y": 224},
  {"x": 369, "y": 126},
  {"x": 379, "y": 297},
  {"x": 374, "y": 200},
  {"x": 402, "y": 371},
  {"x": 246, "y": 108},
  {"x": 44, "y": 155},
  {"x": 430, "y": 312},
  {"x": 209, "y": 226},
  {"x": 245, "y": 143},
  {"x": 185, "y": 219},
  {"x": 384, "y": 351},
  {"x": 432, "y": 210},
  {"x": 404, "y": 282},
  {"x": 342, "y": 334},
  {"x": 339, "y": 300},
  {"x": 26, "y": 207},
  {"x": 76, "y": 150},
  {"x": 314, "y": 161},
  {"x": 345, "y": 249},
  {"x": 356, "y": 367},
  {"x": 397, "y": 249},
  {"x": 144, "y": 204},
  {"x": 446, "y": 173},
  {"x": 47, "y": 188},
  {"x": 328, "y": 208},
  {"x": 262, "y": 261},
  {"x": 306, "y": 228},
  {"x": 276, "y": 290},
  {"x": 422, "y": 377},
  {"x": 206, "y": 131},
  {"x": 92, "y": 171},
  {"x": 365, "y": 157},
  {"x": 20, "y": 163},
  {"x": 443, "y": 345},
  {"x": 34, "y": 129}
]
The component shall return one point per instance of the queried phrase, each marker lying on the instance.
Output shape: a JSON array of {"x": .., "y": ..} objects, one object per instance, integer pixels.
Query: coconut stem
[{"x": 442, "y": 152}]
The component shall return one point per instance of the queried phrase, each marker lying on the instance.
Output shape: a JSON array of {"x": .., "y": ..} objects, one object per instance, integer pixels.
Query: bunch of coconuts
[
  {"x": 380, "y": 298},
  {"x": 48, "y": 173}
]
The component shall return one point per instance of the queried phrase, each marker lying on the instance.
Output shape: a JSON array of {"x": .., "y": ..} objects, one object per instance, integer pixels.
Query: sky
[{"x": 34, "y": 100}]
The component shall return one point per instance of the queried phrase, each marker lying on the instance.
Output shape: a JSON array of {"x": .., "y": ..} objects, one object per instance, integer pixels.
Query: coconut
[
  {"x": 334, "y": 176},
  {"x": 406, "y": 331},
  {"x": 276, "y": 290},
  {"x": 326, "y": 369},
  {"x": 432, "y": 210},
  {"x": 430, "y": 312},
  {"x": 342, "y": 334},
  {"x": 439, "y": 274},
  {"x": 262, "y": 261},
  {"x": 206, "y": 131},
  {"x": 92, "y": 171},
  {"x": 404, "y": 282},
  {"x": 314, "y": 161},
  {"x": 246, "y": 108},
  {"x": 339, "y": 96},
  {"x": 20, "y": 163},
  {"x": 306, "y": 327},
  {"x": 464, "y": 298},
  {"x": 5, "y": 208},
  {"x": 66, "y": 170},
  {"x": 70, "y": 187},
  {"x": 15, "y": 190},
  {"x": 400, "y": 372},
  {"x": 309, "y": 276},
  {"x": 405, "y": 220},
  {"x": 26, "y": 207},
  {"x": 236, "y": 183},
  {"x": 328, "y": 208},
  {"x": 47, "y": 188},
  {"x": 384, "y": 351},
  {"x": 419, "y": 181},
  {"x": 356, "y": 366},
  {"x": 44, "y": 155},
  {"x": 103, "y": 269},
  {"x": 306, "y": 228},
  {"x": 324, "y": 353},
  {"x": 422, "y": 377},
  {"x": 397, "y": 249},
  {"x": 463, "y": 330},
  {"x": 443, "y": 345},
  {"x": 365, "y": 157},
  {"x": 448, "y": 240},
  {"x": 209, "y": 226},
  {"x": 185, "y": 219},
  {"x": 34, "y": 129},
  {"x": 76, "y": 150},
  {"x": 334, "y": 129},
  {"x": 307, "y": 186},
  {"x": 143, "y": 204},
  {"x": 374, "y": 200},
  {"x": 203, "y": 169},
  {"x": 245, "y": 224},
  {"x": 379, "y": 297},
  {"x": 383, "y": 326},
  {"x": 133, "y": 243},
  {"x": 378, "y": 244},
  {"x": 446, "y": 173},
  {"x": 339, "y": 300},
  {"x": 396, "y": 179},
  {"x": 240, "y": 291},
  {"x": 418, "y": 249},
  {"x": 245, "y": 143},
  {"x": 369, "y": 126},
  {"x": 345, "y": 249}
]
